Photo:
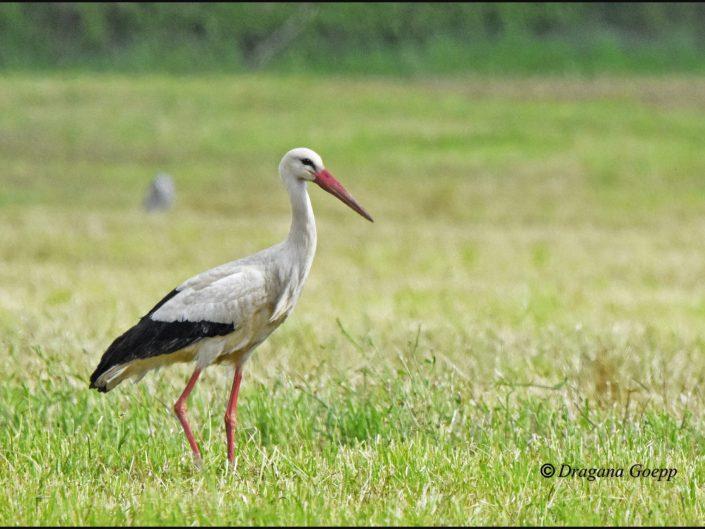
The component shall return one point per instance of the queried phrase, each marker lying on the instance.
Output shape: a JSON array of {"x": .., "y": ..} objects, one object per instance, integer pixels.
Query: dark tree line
[{"x": 254, "y": 35}]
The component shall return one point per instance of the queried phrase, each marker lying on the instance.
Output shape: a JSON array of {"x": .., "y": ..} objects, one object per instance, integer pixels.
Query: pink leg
[
  {"x": 231, "y": 415},
  {"x": 180, "y": 410}
]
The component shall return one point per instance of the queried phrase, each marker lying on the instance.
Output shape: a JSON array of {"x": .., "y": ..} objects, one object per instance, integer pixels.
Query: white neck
[{"x": 302, "y": 234}]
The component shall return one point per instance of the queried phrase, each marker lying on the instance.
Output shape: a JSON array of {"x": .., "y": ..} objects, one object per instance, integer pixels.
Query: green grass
[{"x": 530, "y": 292}]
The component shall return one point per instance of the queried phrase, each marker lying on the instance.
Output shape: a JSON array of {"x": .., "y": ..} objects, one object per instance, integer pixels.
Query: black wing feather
[
  {"x": 153, "y": 338},
  {"x": 162, "y": 301}
]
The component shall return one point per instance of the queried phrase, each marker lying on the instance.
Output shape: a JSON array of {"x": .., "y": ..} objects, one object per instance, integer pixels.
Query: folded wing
[{"x": 203, "y": 307}]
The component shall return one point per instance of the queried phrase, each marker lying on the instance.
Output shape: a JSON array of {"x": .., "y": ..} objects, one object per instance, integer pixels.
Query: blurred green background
[{"x": 380, "y": 38}]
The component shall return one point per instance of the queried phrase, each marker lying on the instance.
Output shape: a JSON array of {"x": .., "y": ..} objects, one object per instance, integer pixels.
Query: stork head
[{"x": 302, "y": 164}]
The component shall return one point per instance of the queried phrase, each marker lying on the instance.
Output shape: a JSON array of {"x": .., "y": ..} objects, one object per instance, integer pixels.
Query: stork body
[{"x": 223, "y": 314}]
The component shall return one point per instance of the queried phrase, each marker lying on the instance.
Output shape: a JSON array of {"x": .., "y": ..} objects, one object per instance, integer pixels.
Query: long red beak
[{"x": 328, "y": 182}]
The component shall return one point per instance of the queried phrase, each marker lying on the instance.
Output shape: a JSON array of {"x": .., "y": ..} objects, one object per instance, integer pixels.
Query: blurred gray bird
[{"x": 161, "y": 193}]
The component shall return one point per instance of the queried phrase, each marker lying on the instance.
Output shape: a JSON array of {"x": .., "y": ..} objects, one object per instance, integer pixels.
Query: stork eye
[{"x": 307, "y": 161}]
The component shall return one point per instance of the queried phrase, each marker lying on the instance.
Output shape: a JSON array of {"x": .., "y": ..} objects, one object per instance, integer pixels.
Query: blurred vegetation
[{"x": 396, "y": 38}]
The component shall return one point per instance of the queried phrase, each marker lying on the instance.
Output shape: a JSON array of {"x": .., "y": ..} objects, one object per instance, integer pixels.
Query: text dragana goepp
[{"x": 636, "y": 471}]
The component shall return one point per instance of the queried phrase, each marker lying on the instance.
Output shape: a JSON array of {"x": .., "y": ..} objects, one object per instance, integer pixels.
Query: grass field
[{"x": 531, "y": 292}]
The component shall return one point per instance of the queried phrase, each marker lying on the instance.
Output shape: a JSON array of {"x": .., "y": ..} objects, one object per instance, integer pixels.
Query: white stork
[{"x": 223, "y": 314}]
